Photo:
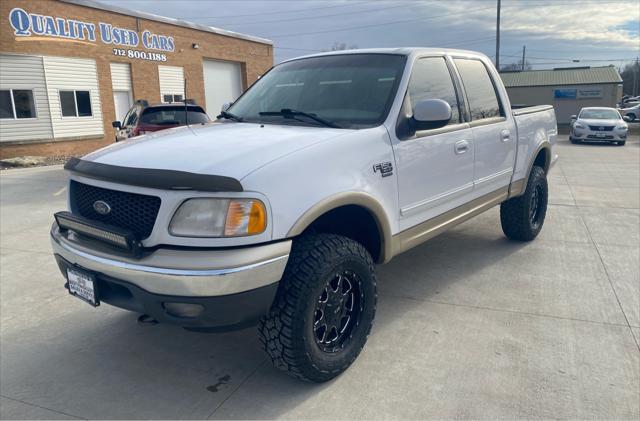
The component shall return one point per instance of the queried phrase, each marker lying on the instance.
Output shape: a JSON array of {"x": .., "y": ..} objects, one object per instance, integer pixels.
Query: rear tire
[
  {"x": 522, "y": 217},
  {"x": 324, "y": 309},
  {"x": 632, "y": 116}
]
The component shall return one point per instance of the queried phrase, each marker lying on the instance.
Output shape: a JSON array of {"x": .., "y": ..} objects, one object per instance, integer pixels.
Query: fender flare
[
  {"x": 518, "y": 187},
  {"x": 360, "y": 199}
]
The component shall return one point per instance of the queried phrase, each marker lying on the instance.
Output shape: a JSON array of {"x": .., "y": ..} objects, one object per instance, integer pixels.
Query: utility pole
[
  {"x": 636, "y": 70},
  {"x": 524, "y": 48},
  {"x": 498, "y": 37}
]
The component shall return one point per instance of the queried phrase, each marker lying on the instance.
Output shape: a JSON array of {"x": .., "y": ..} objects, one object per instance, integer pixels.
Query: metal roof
[
  {"x": 178, "y": 22},
  {"x": 566, "y": 76}
]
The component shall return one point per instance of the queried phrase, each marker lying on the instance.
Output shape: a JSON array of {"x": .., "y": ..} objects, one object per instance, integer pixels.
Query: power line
[
  {"x": 573, "y": 50},
  {"x": 280, "y": 12},
  {"x": 581, "y": 61},
  {"x": 316, "y": 17},
  {"x": 373, "y": 25}
]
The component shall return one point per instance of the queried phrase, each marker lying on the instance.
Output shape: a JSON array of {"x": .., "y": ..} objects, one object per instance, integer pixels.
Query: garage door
[
  {"x": 222, "y": 83},
  {"x": 171, "y": 83}
]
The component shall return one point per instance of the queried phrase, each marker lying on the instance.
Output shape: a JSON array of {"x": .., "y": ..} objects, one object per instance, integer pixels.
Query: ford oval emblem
[{"x": 101, "y": 207}]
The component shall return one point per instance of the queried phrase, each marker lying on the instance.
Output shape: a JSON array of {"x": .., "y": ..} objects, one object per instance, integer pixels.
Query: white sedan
[
  {"x": 599, "y": 124},
  {"x": 633, "y": 111}
]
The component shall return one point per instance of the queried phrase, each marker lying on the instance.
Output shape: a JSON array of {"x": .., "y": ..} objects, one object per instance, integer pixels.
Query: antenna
[{"x": 184, "y": 99}]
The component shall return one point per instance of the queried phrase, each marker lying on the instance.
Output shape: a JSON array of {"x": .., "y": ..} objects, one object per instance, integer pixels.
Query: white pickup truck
[{"x": 277, "y": 213}]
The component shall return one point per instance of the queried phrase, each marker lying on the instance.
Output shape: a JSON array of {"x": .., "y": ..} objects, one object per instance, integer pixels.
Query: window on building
[
  {"x": 6, "y": 108},
  {"x": 75, "y": 103},
  {"x": 481, "y": 94},
  {"x": 430, "y": 79},
  {"x": 17, "y": 103},
  {"x": 172, "y": 98}
]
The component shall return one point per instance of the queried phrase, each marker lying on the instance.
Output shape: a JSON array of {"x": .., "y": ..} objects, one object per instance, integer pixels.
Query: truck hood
[{"x": 228, "y": 149}]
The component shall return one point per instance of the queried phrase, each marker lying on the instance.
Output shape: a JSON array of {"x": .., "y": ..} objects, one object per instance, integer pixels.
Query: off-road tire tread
[
  {"x": 309, "y": 254},
  {"x": 514, "y": 213}
]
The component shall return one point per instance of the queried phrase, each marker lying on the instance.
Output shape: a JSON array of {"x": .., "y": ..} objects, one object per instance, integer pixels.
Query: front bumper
[
  {"x": 599, "y": 136},
  {"x": 233, "y": 286}
]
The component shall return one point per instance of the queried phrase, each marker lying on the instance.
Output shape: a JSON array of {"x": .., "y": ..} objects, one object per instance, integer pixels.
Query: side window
[
  {"x": 127, "y": 116},
  {"x": 131, "y": 118},
  {"x": 17, "y": 103},
  {"x": 430, "y": 79},
  {"x": 481, "y": 94}
]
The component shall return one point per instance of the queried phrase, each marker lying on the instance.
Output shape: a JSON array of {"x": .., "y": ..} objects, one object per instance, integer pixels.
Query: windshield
[
  {"x": 348, "y": 91},
  {"x": 173, "y": 116},
  {"x": 600, "y": 114}
]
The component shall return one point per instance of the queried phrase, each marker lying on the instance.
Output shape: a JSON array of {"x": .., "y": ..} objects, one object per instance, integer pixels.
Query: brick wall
[{"x": 255, "y": 58}]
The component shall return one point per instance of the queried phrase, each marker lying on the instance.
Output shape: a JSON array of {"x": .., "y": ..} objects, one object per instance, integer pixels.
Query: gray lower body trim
[
  {"x": 417, "y": 235},
  {"x": 254, "y": 267},
  {"x": 517, "y": 188}
]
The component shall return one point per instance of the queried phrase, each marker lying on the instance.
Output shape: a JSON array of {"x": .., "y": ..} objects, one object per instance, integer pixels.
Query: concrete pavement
[{"x": 470, "y": 325}]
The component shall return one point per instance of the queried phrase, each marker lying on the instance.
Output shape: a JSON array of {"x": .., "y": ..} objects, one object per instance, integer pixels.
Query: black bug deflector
[{"x": 154, "y": 178}]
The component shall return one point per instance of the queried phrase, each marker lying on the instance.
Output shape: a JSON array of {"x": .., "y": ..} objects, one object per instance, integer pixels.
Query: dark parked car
[{"x": 144, "y": 118}]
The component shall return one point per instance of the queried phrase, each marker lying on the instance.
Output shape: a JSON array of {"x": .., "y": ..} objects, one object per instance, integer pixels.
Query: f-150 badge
[{"x": 385, "y": 169}]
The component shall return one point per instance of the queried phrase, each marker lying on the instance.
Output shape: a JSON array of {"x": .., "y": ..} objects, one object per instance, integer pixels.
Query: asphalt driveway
[{"x": 470, "y": 325}]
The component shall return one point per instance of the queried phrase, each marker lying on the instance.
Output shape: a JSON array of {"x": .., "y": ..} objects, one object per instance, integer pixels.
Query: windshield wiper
[
  {"x": 229, "y": 116},
  {"x": 289, "y": 113}
]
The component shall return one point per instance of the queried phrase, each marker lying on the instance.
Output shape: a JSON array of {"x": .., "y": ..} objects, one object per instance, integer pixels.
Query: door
[
  {"x": 494, "y": 132},
  {"x": 222, "y": 83},
  {"x": 122, "y": 101},
  {"x": 172, "y": 84},
  {"x": 435, "y": 167},
  {"x": 128, "y": 123}
]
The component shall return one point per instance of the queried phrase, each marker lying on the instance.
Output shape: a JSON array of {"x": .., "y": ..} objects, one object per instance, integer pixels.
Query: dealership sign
[
  {"x": 565, "y": 93},
  {"x": 590, "y": 93},
  {"x": 29, "y": 24},
  {"x": 575, "y": 93}
]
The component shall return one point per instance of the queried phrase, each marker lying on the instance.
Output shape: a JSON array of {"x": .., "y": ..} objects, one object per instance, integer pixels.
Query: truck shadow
[{"x": 106, "y": 356}]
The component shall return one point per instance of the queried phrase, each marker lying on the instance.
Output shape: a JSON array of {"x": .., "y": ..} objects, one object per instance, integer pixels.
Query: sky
[{"x": 556, "y": 32}]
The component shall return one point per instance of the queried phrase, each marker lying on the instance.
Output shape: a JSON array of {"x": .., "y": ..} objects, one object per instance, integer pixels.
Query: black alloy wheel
[
  {"x": 534, "y": 206},
  {"x": 337, "y": 312}
]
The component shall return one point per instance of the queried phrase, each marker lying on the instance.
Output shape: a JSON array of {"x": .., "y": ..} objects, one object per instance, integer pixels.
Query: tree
[
  {"x": 628, "y": 72},
  {"x": 516, "y": 66},
  {"x": 338, "y": 46}
]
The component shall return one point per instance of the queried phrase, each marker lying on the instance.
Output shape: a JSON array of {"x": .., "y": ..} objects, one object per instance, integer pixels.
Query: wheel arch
[
  {"x": 355, "y": 202},
  {"x": 541, "y": 157}
]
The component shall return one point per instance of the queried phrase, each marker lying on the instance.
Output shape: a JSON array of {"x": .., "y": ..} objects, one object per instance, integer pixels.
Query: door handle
[
  {"x": 505, "y": 135},
  {"x": 461, "y": 147}
]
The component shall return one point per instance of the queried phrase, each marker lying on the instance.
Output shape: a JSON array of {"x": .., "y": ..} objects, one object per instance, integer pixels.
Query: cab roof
[{"x": 403, "y": 51}]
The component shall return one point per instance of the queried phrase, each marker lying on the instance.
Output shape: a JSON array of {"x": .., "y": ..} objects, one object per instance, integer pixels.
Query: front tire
[
  {"x": 324, "y": 309},
  {"x": 522, "y": 217}
]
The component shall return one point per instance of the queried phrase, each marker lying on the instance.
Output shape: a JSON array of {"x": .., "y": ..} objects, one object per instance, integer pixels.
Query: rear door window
[
  {"x": 173, "y": 116},
  {"x": 481, "y": 93}
]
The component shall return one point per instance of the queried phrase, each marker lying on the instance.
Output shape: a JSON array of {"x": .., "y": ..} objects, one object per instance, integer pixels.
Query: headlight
[
  {"x": 622, "y": 127},
  {"x": 577, "y": 125},
  {"x": 206, "y": 217}
]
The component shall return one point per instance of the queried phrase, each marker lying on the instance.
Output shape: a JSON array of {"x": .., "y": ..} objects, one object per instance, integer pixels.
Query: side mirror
[
  {"x": 627, "y": 118},
  {"x": 226, "y": 106},
  {"x": 431, "y": 114},
  {"x": 116, "y": 124},
  {"x": 574, "y": 117}
]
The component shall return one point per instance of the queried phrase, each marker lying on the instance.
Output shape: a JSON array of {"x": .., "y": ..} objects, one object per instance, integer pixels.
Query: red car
[{"x": 144, "y": 118}]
